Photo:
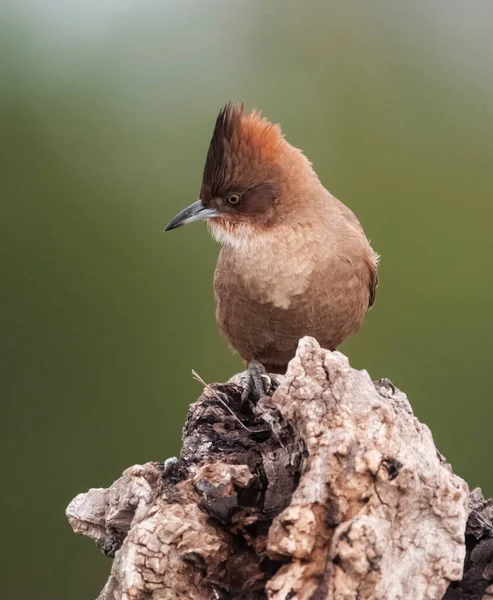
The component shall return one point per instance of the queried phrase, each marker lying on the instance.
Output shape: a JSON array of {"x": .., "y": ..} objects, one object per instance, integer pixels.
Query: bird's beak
[{"x": 195, "y": 212}]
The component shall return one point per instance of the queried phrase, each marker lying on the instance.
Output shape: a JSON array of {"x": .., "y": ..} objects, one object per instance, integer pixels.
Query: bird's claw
[{"x": 257, "y": 382}]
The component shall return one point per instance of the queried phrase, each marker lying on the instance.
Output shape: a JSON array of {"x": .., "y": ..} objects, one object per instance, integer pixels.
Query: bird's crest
[{"x": 239, "y": 139}]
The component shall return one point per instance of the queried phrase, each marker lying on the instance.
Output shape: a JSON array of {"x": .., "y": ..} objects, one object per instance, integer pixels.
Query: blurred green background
[{"x": 107, "y": 108}]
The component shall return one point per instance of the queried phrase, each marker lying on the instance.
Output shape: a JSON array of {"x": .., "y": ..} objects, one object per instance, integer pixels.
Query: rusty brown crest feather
[{"x": 239, "y": 140}]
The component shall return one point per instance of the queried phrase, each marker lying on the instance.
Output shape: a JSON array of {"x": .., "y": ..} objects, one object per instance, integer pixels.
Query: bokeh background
[{"x": 107, "y": 107}]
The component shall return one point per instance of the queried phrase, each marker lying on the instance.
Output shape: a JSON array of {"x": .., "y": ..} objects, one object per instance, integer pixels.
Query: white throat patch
[{"x": 241, "y": 238}]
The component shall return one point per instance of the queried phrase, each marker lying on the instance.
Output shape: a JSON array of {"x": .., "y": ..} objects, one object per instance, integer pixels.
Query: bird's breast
[{"x": 267, "y": 271}]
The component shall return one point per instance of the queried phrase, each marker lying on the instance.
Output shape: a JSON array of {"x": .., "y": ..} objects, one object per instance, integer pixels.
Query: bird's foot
[{"x": 257, "y": 382}]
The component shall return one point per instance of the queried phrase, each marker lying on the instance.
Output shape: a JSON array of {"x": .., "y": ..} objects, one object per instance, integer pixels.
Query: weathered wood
[
  {"x": 330, "y": 489},
  {"x": 477, "y": 580}
]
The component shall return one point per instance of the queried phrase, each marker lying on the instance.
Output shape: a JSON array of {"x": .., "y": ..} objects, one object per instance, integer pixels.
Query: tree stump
[{"x": 329, "y": 490}]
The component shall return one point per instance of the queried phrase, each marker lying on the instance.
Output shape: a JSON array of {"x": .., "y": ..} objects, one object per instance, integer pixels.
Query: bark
[{"x": 329, "y": 489}]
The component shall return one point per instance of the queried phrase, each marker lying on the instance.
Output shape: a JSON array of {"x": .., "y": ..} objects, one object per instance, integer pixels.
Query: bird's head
[{"x": 252, "y": 178}]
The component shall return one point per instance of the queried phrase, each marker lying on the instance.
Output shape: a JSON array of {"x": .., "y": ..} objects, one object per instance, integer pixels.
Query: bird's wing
[{"x": 373, "y": 283}]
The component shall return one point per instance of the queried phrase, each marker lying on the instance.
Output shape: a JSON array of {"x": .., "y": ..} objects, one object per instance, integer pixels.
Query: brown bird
[{"x": 294, "y": 261}]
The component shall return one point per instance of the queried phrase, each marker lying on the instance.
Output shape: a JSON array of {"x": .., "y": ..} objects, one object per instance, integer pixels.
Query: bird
[{"x": 294, "y": 261}]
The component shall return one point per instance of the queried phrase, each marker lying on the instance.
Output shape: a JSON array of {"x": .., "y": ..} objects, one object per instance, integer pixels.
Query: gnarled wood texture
[{"x": 329, "y": 490}]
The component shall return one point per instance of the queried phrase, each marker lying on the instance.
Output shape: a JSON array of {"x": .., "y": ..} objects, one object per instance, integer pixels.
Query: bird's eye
[{"x": 234, "y": 198}]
